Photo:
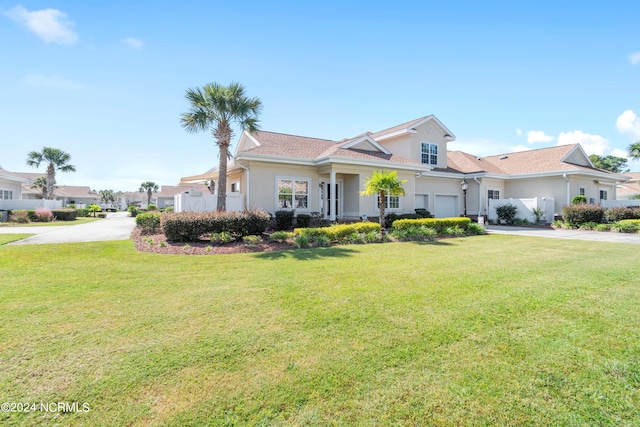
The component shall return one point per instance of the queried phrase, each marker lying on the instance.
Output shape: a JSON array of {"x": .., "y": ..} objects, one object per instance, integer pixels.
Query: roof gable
[
  {"x": 365, "y": 143},
  {"x": 577, "y": 156},
  {"x": 410, "y": 127}
]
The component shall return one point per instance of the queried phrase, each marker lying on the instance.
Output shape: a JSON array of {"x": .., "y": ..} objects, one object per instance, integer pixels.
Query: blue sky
[{"x": 105, "y": 81}]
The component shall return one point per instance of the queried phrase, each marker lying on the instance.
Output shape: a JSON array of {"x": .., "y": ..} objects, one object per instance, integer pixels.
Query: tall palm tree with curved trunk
[
  {"x": 216, "y": 108},
  {"x": 634, "y": 151},
  {"x": 150, "y": 187},
  {"x": 383, "y": 184},
  {"x": 56, "y": 160}
]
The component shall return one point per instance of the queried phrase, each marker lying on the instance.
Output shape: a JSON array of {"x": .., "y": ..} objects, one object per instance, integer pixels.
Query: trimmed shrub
[
  {"x": 475, "y": 229},
  {"x": 507, "y": 212},
  {"x": 303, "y": 220},
  {"x": 20, "y": 216},
  {"x": 252, "y": 241},
  {"x": 221, "y": 238},
  {"x": 455, "y": 231},
  {"x": 423, "y": 213},
  {"x": 148, "y": 223},
  {"x": 321, "y": 241},
  {"x": 82, "y": 212},
  {"x": 619, "y": 213},
  {"x": 65, "y": 214},
  {"x": 576, "y": 215},
  {"x": 189, "y": 226},
  {"x": 438, "y": 224},
  {"x": 281, "y": 236},
  {"x": 133, "y": 211},
  {"x": 43, "y": 215},
  {"x": 168, "y": 209},
  {"x": 339, "y": 232},
  {"x": 603, "y": 227},
  {"x": 415, "y": 233},
  {"x": 302, "y": 241},
  {"x": 579, "y": 200},
  {"x": 284, "y": 220},
  {"x": 588, "y": 226},
  {"x": 152, "y": 207}
]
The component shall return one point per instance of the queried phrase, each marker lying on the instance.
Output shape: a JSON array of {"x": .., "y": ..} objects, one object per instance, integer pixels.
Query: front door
[{"x": 330, "y": 201}]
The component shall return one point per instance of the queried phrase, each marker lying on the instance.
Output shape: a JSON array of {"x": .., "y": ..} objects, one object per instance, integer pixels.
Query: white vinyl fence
[
  {"x": 525, "y": 208},
  {"x": 196, "y": 201},
  {"x": 30, "y": 205},
  {"x": 618, "y": 203}
]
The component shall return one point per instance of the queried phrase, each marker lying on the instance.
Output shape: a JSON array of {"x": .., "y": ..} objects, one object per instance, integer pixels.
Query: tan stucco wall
[
  {"x": 553, "y": 187},
  {"x": 410, "y": 146},
  {"x": 432, "y": 186}
]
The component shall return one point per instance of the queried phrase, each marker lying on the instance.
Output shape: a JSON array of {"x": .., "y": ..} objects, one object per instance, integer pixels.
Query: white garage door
[{"x": 446, "y": 206}]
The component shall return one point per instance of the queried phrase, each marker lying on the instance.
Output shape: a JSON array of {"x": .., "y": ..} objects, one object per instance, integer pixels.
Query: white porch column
[{"x": 332, "y": 196}]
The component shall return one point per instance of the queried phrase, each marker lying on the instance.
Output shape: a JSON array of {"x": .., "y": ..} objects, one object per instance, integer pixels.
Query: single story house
[
  {"x": 11, "y": 185},
  {"x": 630, "y": 189},
  {"x": 276, "y": 171}
]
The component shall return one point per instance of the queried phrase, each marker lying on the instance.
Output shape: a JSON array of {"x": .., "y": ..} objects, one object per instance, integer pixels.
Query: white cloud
[
  {"x": 52, "y": 82},
  {"x": 634, "y": 58},
  {"x": 619, "y": 153},
  {"x": 534, "y": 136},
  {"x": 592, "y": 144},
  {"x": 133, "y": 43},
  {"x": 51, "y": 25},
  {"x": 519, "y": 132},
  {"x": 629, "y": 124}
]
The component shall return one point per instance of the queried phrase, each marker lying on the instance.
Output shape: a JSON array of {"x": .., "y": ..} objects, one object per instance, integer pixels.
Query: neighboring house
[
  {"x": 275, "y": 171},
  {"x": 11, "y": 185},
  {"x": 631, "y": 188},
  {"x": 166, "y": 196}
]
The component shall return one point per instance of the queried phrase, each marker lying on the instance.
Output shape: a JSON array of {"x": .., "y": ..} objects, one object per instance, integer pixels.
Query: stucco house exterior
[
  {"x": 11, "y": 185},
  {"x": 275, "y": 171}
]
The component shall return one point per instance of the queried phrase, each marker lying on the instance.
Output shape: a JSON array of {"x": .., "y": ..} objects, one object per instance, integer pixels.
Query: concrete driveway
[
  {"x": 117, "y": 226},
  {"x": 597, "y": 236}
]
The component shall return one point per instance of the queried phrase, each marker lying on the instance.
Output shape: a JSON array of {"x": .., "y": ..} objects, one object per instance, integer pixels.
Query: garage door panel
[{"x": 446, "y": 206}]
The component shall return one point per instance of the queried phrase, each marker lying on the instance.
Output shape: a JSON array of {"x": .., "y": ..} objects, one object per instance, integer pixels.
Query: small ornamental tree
[{"x": 383, "y": 184}]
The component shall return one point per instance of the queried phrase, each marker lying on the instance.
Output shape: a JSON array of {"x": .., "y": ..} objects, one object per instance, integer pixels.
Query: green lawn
[
  {"x": 480, "y": 331},
  {"x": 7, "y": 238},
  {"x": 77, "y": 221}
]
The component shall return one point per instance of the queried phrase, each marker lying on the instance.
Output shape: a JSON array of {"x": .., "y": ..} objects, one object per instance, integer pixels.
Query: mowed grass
[
  {"x": 487, "y": 330},
  {"x": 8, "y": 238}
]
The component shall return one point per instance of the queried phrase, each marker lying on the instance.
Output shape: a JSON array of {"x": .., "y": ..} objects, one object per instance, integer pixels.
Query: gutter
[{"x": 564, "y": 175}]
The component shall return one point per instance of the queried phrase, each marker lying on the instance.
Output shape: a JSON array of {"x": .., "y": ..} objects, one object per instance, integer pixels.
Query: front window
[
  {"x": 293, "y": 194},
  {"x": 429, "y": 153},
  {"x": 493, "y": 194},
  {"x": 582, "y": 192},
  {"x": 6, "y": 194},
  {"x": 603, "y": 195},
  {"x": 390, "y": 202}
]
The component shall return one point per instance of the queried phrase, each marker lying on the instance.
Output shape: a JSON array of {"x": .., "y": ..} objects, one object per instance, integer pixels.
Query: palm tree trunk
[
  {"x": 51, "y": 181},
  {"x": 149, "y": 192},
  {"x": 381, "y": 203},
  {"x": 222, "y": 134}
]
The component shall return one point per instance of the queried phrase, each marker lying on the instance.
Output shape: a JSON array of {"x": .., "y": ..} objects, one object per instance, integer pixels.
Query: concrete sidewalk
[
  {"x": 596, "y": 236},
  {"x": 117, "y": 226}
]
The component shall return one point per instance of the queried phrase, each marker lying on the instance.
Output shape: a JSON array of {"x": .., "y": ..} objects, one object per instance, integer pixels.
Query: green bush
[
  {"x": 152, "y": 207},
  {"x": 339, "y": 232},
  {"x": 221, "y": 238},
  {"x": 303, "y": 220},
  {"x": 603, "y": 227},
  {"x": 620, "y": 213},
  {"x": 82, "y": 212},
  {"x": 455, "y": 231},
  {"x": 588, "y": 226},
  {"x": 507, "y": 212},
  {"x": 423, "y": 213},
  {"x": 576, "y": 215},
  {"x": 133, "y": 211},
  {"x": 392, "y": 217},
  {"x": 189, "y": 226},
  {"x": 475, "y": 229},
  {"x": 415, "y": 233},
  {"x": 148, "y": 223},
  {"x": 284, "y": 220},
  {"x": 65, "y": 214},
  {"x": 281, "y": 236},
  {"x": 626, "y": 226},
  {"x": 438, "y": 224},
  {"x": 168, "y": 209},
  {"x": 302, "y": 241},
  {"x": 578, "y": 200},
  {"x": 321, "y": 241},
  {"x": 251, "y": 241},
  {"x": 372, "y": 237}
]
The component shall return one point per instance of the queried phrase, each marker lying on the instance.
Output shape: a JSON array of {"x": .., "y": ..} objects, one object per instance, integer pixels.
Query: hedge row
[
  {"x": 338, "y": 232},
  {"x": 438, "y": 224},
  {"x": 189, "y": 226},
  {"x": 148, "y": 223},
  {"x": 576, "y": 215},
  {"x": 620, "y": 213}
]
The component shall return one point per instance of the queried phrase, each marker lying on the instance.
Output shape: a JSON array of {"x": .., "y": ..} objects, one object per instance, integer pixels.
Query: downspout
[
  {"x": 479, "y": 196},
  {"x": 564, "y": 175}
]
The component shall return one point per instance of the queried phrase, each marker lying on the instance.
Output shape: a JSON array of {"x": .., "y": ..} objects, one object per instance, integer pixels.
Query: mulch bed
[{"x": 153, "y": 243}]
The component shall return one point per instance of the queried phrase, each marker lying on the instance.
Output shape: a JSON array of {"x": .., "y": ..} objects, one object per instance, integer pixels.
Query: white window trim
[
  {"x": 582, "y": 191},
  {"x": 422, "y": 143},
  {"x": 308, "y": 180},
  {"x": 237, "y": 183},
  {"x": 398, "y": 209},
  {"x": 2, "y": 190},
  {"x": 600, "y": 190},
  {"x": 499, "y": 190}
]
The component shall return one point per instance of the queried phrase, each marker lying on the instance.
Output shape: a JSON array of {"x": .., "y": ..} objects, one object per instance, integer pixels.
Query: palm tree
[
  {"x": 634, "y": 151},
  {"x": 56, "y": 159},
  {"x": 150, "y": 187},
  {"x": 40, "y": 183},
  {"x": 383, "y": 184},
  {"x": 107, "y": 195},
  {"x": 216, "y": 108}
]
